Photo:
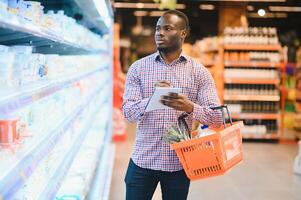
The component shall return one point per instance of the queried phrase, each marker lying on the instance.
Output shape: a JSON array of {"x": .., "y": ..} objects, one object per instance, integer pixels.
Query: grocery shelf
[
  {"x": 210, "y": 50},
  {"x": 13, "y": 178},
  {"x": 255, "y": 116},
  {"x": 101, "y": 185},
  {"x": 15, "y": 99},
  {"x": 252, "y": 47},
  {"x": 86, "y": 164},
  {"x": 251, "y": 97},
  {"x": 252, "y": 64},
  {"x": 251, "y": 81},
  {"x": 259, "y": 136},
  {"x": 58, "y": 176},
  {"x": 16, "y": 31}
]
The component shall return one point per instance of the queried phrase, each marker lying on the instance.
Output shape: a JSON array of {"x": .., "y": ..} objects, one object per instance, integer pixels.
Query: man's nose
[{"x": 160, "y": 32}]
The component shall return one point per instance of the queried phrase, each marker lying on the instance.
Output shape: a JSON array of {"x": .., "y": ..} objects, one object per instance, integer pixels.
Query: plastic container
[
  {"x": 204, "y": 131},
  {"x": 8, "y": 131},
  {"x": 6, "y": 69},
  {"x": 211, "y": 155}
]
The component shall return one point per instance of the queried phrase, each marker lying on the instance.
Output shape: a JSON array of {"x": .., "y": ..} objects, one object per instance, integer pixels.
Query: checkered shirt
[{"x": 150, "y": 151}]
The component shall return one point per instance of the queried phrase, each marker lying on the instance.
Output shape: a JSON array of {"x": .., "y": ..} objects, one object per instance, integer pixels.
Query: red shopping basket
[{"x": 214, "y": 154}]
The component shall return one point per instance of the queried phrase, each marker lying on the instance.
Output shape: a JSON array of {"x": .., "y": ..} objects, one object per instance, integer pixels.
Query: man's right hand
[{"x": 163, "y": 84}]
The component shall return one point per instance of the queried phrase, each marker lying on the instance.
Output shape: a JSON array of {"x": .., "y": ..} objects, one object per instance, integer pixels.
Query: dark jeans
[{"x": 141, "y": 183}]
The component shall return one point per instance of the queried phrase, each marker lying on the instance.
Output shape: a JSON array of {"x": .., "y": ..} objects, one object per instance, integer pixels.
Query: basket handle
[{"x": 222, "y": 109}]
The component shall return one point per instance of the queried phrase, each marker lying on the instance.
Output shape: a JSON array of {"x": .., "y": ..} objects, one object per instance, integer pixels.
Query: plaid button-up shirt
[{"x": 150, "y": 151}]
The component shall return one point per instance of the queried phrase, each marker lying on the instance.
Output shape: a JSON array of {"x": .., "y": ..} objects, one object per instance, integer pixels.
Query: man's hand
[
  {"x": 163, "y": 84},
  {"x": 178, "y": 102}
]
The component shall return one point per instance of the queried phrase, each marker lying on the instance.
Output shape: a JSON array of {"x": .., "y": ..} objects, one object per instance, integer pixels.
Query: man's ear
[{"x": 184, "y": 33}]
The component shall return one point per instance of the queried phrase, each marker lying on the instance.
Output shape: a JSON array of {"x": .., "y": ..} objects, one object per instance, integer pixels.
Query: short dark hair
[{"x": 179, "y": 14}]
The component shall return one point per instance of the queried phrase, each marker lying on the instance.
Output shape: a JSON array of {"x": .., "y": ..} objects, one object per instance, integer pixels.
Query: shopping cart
[{"x": 211, "y": 155}]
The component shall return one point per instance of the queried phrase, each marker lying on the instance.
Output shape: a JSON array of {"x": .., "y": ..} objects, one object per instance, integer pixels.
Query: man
[{"x": 152, "y": 160}]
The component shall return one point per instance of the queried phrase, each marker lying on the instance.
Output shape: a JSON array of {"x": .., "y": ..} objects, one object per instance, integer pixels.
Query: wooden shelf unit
[
  {"x": 255, "y": 116},
  {"x": 251, "y": 47},
  {"x": 260, "y": 136},
  {"x": 261, "y": 64},
  {"x": 274, "y": 117},
  {"x": 251, "y": 81}
]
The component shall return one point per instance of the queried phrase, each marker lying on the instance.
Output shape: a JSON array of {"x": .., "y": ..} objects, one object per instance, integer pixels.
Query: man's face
[{"x": 170, "y": 33}]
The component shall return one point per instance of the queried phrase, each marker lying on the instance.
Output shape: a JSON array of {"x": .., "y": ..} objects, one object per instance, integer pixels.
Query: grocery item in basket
[
  {"x": 204, "y": 131},
  {"x": 174, "y": 135}
]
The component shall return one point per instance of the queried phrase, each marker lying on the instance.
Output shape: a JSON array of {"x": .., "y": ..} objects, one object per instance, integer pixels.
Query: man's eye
[{"x": 168, "y": 29}]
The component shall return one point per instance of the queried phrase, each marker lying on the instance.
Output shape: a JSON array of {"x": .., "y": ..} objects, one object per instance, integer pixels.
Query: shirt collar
[{"x": 182, "y": 57}]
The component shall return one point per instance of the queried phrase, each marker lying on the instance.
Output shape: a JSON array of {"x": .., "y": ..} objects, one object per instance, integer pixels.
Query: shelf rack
[
  {"x": 276, "y": 117},
  {"x": 16, "y": 31}
]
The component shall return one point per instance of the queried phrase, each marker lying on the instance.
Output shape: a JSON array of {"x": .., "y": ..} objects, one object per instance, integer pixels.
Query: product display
[
  {"x": 55, "y": 103},
  {"x": 251, "y": 65}
]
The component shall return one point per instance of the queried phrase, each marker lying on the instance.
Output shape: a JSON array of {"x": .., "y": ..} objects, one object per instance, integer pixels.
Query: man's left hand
[{"x": 177, "y": 101}]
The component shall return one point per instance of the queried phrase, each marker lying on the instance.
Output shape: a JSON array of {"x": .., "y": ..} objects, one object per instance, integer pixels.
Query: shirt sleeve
[
  {"x": 207, "y": 97},
  {"x": 133, "y": 104}
]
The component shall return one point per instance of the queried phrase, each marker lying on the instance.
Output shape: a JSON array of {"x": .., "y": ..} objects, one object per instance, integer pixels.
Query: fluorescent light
[
  {"x": 156, "y": 13},
  {"x": 267, "y": 15},
  {"x": 143, "y": 5},
  {"x": 103, "y": 11},
  {"x": 261, "y": 12},
  {"x": 140, "y": 13},
  {"x": 284, "y": 9},
  {"x": 250, "y": 8},
  {"x": 207, "y": 7}
]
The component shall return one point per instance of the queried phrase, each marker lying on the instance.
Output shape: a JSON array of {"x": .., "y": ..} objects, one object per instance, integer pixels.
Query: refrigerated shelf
[
  {"x": 101, "y": 185},
  {"x": 16, "y": 31},
  {"x": 13, "y": 178},
  {"x": 52, "y": 187},
  {"x": 12, "y": 100},
  {"x": 85, "y": 164}
]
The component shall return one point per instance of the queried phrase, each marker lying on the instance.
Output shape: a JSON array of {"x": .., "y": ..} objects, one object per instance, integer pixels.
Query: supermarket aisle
[{"x": 265, "y": 174}]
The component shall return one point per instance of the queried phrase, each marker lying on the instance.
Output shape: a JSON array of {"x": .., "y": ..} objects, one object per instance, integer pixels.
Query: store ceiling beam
[{"x": 143, "y": 5}]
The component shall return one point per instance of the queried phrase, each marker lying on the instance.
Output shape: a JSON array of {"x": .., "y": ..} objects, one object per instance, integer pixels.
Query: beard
[{"x": 169, "y": 49}]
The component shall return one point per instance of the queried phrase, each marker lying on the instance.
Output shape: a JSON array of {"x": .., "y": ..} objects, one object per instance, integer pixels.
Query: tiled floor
[{"x": 265, "y": 174}]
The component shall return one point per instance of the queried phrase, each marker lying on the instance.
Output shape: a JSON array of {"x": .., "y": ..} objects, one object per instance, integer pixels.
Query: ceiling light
[
  {"x": 261, "y": 12},
  {"x": 143, "y": 5},
  {"x": 207, "y": 7},
  {"x": 285, "y": 9}
]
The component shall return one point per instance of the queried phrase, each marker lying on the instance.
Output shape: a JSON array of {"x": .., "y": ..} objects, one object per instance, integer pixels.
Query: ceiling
[{"x": 205, "y": 22}]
